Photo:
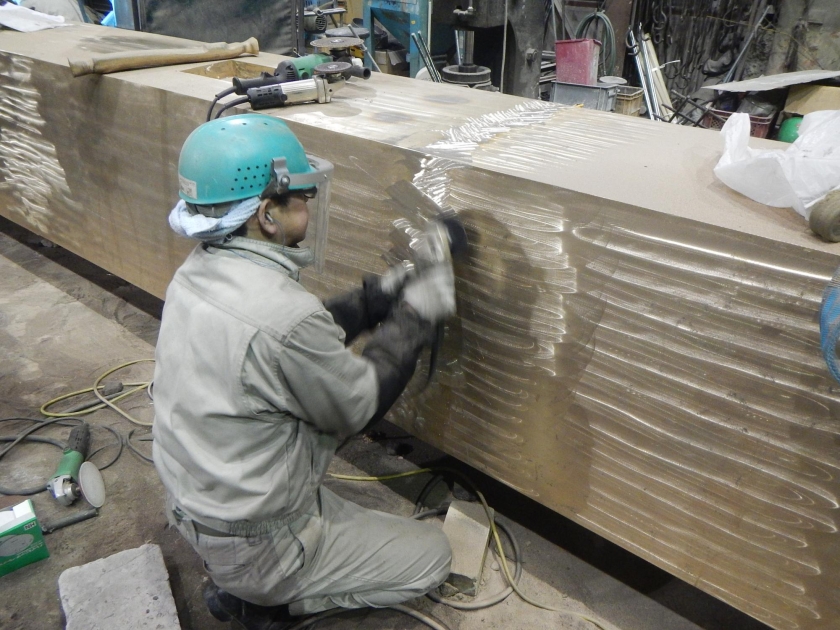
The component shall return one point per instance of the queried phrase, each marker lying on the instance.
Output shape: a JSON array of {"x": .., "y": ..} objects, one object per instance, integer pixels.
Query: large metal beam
[{"x": 636, "y": 348}]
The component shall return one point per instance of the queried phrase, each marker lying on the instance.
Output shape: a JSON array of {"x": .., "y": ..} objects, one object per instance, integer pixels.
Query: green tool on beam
[
  {"x": 75, "y": 477},
  {"x": 301, "y": 67}
]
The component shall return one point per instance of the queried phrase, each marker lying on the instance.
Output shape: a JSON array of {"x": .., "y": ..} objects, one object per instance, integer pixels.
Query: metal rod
[
  {"x": 426, "y": 57},
  {"x": 365, "y": 48},
  {"x": 704, "y": 108}
]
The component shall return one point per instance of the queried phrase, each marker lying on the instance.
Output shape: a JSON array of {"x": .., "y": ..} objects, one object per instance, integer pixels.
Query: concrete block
[
  {"x": 468, "y": 530},
  {"x": 128, "y": 590}
]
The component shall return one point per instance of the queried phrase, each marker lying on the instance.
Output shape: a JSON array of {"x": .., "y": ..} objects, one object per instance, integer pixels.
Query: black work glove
[
  {"x": 394, "y": 350},
  {"x": 363, "y": 308}
]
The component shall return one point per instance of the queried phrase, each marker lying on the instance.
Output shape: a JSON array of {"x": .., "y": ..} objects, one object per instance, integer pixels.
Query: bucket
[
  {"x": 789, "y": 131},
  {"x": 577, "y": 61}
]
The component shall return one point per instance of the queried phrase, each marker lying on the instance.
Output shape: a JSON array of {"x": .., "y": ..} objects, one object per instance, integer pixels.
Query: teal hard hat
[{"x": 237, "y": 157}]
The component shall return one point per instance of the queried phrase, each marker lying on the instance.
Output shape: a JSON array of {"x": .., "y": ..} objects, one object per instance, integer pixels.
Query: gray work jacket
[{"x": 254, "y": 389}]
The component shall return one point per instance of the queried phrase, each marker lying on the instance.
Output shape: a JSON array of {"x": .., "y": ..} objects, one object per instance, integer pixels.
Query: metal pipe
[
  {"x": 426, "y": 57},
  {"x": 469, "y": 46},
  {"x": 635, "y": 52}
]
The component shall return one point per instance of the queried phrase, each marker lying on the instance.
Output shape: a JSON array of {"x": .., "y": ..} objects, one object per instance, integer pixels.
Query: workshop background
[{"x": 675, "y": 337}]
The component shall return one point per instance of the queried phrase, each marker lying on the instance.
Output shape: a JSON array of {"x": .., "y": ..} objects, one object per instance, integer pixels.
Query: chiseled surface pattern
[
  {"x": 652, "y": 378},
  {"x": 656, "y": 379}
]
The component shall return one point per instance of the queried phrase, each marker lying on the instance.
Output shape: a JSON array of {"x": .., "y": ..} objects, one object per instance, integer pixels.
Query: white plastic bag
[{"x": 797, "y": 177}]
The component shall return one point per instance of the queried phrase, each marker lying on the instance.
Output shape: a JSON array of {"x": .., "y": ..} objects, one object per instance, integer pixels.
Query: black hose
[
  {"x": 25, "y": 435},
  {"x": 135, "y": 450},
  {"x": 608, "y": 50},
  {"x": 216, "y": 98},
  {"x": 233, "y": 103},
  {"x": 25, "y": 492},
  {"x": 424, "y": 493}
]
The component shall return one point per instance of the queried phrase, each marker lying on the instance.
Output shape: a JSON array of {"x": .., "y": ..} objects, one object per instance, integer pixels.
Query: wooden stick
[{"x": 133, "y": 60}]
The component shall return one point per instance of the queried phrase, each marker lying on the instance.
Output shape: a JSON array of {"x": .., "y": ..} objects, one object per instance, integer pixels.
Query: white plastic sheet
[
  {"x": 797, "y": 177},
  {"x": 27, "y": 20}
]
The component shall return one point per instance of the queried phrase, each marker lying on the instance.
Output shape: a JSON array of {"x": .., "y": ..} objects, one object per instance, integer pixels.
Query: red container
[{"x": 577, "y": 61}]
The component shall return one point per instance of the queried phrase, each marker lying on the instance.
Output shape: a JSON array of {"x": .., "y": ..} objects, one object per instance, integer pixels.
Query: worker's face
[{"x": 293, "y": 218}]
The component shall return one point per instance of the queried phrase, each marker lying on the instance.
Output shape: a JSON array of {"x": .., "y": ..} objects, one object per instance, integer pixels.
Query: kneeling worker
[{"x": 255, "y": 388}]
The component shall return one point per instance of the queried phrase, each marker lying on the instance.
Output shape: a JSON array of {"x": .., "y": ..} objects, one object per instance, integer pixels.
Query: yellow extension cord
[
  {"x": 104, "y": 402},
  {"x": 493, "y": 529}
]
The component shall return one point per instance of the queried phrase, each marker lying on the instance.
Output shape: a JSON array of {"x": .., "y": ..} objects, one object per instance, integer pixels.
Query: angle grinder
[
  {"x": 443, "y": 240},
  {"x": 311, "y": 78},
  {"x": 75, "y": 477}
]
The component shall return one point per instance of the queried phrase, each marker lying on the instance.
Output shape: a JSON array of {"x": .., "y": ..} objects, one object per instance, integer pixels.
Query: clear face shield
[{"x": 318, "y": 203}]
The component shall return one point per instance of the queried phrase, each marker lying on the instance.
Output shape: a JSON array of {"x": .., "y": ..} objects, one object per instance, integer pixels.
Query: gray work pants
[{"x": 337, "y": 555}]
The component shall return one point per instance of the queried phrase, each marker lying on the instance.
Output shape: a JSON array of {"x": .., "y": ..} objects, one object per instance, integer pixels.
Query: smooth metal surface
[{"x": 650, "y": 369}]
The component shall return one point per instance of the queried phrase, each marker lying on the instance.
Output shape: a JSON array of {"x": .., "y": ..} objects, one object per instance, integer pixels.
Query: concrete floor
[{"x": 63, "y": 322}]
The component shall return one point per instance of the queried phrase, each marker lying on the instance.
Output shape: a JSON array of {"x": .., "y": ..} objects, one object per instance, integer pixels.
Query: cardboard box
[
  {"x": 21, "y": 540},
  {"x": 804, "y": 99}
]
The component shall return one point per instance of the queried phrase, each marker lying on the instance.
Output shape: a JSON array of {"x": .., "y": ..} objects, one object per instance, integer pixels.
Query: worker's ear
[{"x": 267, "y": 223}]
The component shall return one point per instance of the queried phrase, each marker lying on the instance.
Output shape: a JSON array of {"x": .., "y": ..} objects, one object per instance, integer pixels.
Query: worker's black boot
[{"x": 244, "y": 615}]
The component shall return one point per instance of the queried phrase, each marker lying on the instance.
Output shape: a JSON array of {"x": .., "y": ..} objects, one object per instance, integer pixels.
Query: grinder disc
[
  {"x": 332, "y": 67},
  {"x": 91, "y": 484},
  {"x": 335, "y": 43}
]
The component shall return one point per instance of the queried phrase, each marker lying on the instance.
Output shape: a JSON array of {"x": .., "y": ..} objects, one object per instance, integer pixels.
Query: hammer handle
[{"x": 132, "y": 60}]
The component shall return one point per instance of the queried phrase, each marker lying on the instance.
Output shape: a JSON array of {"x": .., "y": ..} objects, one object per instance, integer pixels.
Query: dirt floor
[{"x": 63, "y": 322}]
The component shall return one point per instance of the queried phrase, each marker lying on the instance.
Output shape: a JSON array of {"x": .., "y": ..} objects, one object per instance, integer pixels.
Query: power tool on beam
[{"x": 311, "y": 78}]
